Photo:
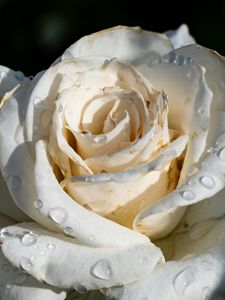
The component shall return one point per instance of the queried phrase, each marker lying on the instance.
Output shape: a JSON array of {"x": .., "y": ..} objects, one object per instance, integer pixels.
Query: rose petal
[
  {"x": 180, "y": 37},
  {"x": 131, "y": 190},
  {"x": 64, "y": 262},
  {"x": 206, "y": 181},
  {"x": 189, "y": 101},
  {"x": 88, "y": 227},
  {"x": 131, "y": 44},
  {"x": 7, "y": 206},
  {"x": 14, "y": 284},
  {"x": 196, "y": 277}
]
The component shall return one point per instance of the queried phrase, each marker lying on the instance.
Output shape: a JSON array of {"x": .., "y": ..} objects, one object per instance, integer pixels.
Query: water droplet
[
  {"x": 14, "y": 182},
  {"x": 4, "y": 233},
  {"x": 58, "y": 215},
  {"x": 188, "y": 195},
  {"x": 208, "y": 265},
  {"x": 28, "y": 239},
  {"x": 81, "y": 289},
  {"x": 191, "y": 182},
  {"x": 221, "y": 153},
  {"x": 206, "y": 292},
  {"x": 19, "y": 134},
  {"x": 60, "y": 108},
  {"x": 91, "y": 238},
  {"x": 3, "y": 75},
  {"x": 36, "y": 247},
  {"x": 32, "y": 258},
  {"x": 143, "y": 260},
  {"x": 201, "y": 110},
  {"x": 171, "y": 154},
  {"x": 51, "y": 246},
  {"x": 102, "y": 270},
  {"x": 25, "y": 264},
  {"x": 184, "y": 279},
  {"x": 68, "y": 230},
  {"x": 212, "y": 150},
  {"x": 38, "y": 204},
  {"x": 42, "y": 253},
  {"x": 100, "y": 139},
  {"x": 207, "y": 182}
]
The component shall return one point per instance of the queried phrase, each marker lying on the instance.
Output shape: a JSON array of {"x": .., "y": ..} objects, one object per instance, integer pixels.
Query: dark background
[{"x": 35, "y": 33}]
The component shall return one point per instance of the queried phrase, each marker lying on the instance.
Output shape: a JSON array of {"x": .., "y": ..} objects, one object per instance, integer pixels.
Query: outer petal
[
  {"x": 16, "y": 161},
  {"x": 208, "y": 178},
  {"x": 16, "y": 285},
  {"x": 199, "y": 276},
  {"x": 9, "y": 79},
  {"x": 64, "y": 262},
  {"x": 131, "y": 44},
  {"x": 7, "y": 206},
  {"x": 180, "y": 37}
]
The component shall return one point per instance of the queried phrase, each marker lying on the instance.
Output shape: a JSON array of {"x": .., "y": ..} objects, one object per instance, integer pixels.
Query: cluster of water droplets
[{"x": 180, "y": 60}]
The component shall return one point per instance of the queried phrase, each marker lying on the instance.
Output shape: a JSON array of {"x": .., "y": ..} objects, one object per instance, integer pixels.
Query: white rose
[{"x": 111, "y": 150}]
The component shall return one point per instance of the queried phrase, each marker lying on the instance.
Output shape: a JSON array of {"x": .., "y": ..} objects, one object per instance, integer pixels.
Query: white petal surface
[
  {"x": 16, "y": 285},
  {"x": 16, "y": 161},
  {"x": 208, "y": 178},
  {"x": 180, "y": 37},
  {"x": 126, "y": 43},
  {"x": 198, "y": 276},
  {"x": 64, "y": 262},
  {"x": 189, "y": 97},
  {"x": 9, "y": 79},
  {"x": 7, "y": 205}
]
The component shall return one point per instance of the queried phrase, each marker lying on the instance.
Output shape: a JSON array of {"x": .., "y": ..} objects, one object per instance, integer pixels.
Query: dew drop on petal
[
  {"x": 208, "y": 265},
  {"x": 60, "y": 108},
  {"x": 32, "y": 258},
  {"x": 100, "y": 139},
  {"x": 28, "y": 239},
  {"x": 68, "y": 230},
  {"x": 51, "y": 246},
  {"x": 221, "y": 153},
  {"x": 205, "y": 292},
  {"x": 91, "y": 238},
  {"x": 58, "y": 215},
  {"x": 38, "y": 204},
  {"x": 36, "y": 247},
  {"x": 207, "y": 182},
  {"x": 81, "y": 289},
  {"x": 25, "y": 264},
  {"x": 188, "y": 195},
  {"x": 102, "y": 270},
  {"x": 15, "y": 182},
  {"x": 191, "y": 182},
  {"x": 143, "y": 260},
  {"x": 184, "y": 279},
  {"x": 4, "y": 233}
]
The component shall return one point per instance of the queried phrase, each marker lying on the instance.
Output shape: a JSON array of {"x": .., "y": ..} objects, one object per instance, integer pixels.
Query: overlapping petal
[
  {"x": 16, "y": 285},
  {"x": 195, "y": 270},
  {"x": 48, "y": 256}
]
